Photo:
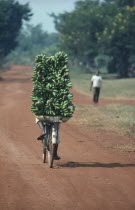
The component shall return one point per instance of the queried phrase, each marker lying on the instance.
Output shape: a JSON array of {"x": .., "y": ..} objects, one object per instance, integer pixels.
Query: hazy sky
[{"x": 41, "y": 9}]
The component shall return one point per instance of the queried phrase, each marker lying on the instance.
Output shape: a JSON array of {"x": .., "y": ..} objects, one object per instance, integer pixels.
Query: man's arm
[
  {"x": 100, "y": 82},
  {"x": 91, "y": 84}
]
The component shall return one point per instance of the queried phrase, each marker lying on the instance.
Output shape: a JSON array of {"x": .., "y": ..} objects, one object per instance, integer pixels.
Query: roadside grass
[
  {"x": 116, "y": 118},
  {"x": 111, "y": 89},
  {"x": 125, "y": 148},
  {"x": 112, "y": 118},
  {"x": 119, "y": 118}
]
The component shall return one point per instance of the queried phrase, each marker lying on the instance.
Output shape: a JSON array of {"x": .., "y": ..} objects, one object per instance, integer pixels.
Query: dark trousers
[{"x": 96, "y": 93}]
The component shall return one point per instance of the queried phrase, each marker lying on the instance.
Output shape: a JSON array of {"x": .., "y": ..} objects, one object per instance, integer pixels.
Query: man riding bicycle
[{"x": 42, "y": 126}]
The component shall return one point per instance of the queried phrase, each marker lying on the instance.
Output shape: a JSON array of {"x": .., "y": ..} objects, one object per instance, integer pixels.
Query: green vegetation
[
  {"x": 99, "y": 28},
  {"x": 95, "y": 35},
  {"x": 12, "y": 15},
  {"x": 52, "y": 83},
  {"x": 111, "y": 89},
  {"x": 117, "y": 38},
  {"x": 21, "y": 46},
  {"x": 33, "y": 41}
]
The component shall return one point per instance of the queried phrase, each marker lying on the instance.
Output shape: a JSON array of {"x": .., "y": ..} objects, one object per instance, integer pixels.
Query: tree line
[
  {"x": 20, "y": 42},
  {"x": 12, "y": 15},
  {"x": 33, "y": 40},
  {"x": 100, "y": 28}
]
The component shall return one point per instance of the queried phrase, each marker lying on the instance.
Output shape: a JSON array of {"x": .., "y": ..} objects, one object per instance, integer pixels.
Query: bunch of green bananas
[{"x": 51, "y": 80}]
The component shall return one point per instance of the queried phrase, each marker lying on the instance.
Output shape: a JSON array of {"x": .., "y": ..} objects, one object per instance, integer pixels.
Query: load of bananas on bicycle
[{"x": 51, "y": 95}]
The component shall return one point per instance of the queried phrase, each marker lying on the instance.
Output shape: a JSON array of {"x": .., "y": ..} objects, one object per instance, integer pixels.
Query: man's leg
[
  {"x": 94, "y": 95},
  {"x": 56, "y": 157},
  {"x": 97, "y": 94}
]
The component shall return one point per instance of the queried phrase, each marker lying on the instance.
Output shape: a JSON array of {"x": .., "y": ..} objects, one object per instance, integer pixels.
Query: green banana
[{"x": 51, "y": 80}]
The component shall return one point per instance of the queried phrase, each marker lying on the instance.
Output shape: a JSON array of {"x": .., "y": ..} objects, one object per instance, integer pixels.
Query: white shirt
[{"x": 97, "y": 81}]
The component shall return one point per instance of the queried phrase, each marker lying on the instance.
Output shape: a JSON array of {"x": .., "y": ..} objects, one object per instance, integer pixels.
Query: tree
[
  {"x": 33, "y": 40},
  {"x": 123, "y": 3},
  {"x": 117, "y": 38},
  {"x": 99, "y": 27},
  {"x": 12, "y": 15},
  {"x": 77, "y": 30}
]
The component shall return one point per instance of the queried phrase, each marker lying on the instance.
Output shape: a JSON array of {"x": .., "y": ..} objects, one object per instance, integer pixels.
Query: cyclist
[{"x": 42, "y": 126}]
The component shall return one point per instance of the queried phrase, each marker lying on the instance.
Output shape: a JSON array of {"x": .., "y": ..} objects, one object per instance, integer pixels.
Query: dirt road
[{"x": 88, "y": 177}]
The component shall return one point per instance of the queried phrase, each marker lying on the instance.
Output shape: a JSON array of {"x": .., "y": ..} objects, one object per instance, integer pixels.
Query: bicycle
[{"x": 51, "y": 137}]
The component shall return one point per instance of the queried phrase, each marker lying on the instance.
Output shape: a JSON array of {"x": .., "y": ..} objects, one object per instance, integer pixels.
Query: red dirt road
[{"x": 88, "y": 177}]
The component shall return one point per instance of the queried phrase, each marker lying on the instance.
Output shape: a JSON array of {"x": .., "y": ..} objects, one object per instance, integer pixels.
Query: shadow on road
[{"x": 94, "y": 164}]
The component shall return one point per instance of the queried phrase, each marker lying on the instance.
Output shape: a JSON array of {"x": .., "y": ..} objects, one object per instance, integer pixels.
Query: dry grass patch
[
  {"x": 117, "y": 118},
  {"x": 125, "y": 148}
]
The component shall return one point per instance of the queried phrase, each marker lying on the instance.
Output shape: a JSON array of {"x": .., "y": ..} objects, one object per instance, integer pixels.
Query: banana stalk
[{"x": 51, "y": 92}]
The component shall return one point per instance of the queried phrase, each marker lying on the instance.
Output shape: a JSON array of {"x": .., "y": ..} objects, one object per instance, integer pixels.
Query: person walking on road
[{"x": 96, "y": 83}]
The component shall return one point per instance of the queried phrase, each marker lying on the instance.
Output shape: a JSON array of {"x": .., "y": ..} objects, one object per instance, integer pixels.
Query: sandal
[{"x": 41, "y": 137}]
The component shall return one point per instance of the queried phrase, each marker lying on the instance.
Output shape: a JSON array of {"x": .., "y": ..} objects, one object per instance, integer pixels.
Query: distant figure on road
[{"x": 96, "y": 82}]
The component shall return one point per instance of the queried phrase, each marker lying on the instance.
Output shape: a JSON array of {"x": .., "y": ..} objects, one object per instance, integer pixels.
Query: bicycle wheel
[
  {"x": 44, "y": 150},
  {"x": 44, "y": 155},
  {"x": 51, "y": 154}
]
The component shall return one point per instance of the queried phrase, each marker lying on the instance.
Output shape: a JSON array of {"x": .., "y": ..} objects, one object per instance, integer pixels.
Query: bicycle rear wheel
[
  {"x": 44, "y": 150},
  {"x": 51, "y": 154},
  {"x": 44, "y": 155}
]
